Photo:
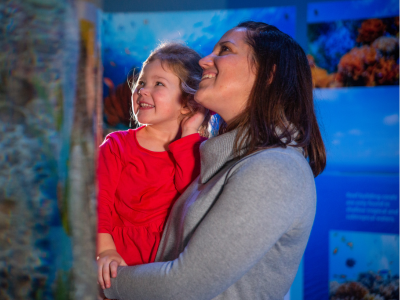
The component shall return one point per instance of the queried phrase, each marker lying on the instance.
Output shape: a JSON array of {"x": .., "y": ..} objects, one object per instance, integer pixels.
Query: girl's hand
[
  {"x": 107, "y": 263},
  {"x": 191, "y": 125}
]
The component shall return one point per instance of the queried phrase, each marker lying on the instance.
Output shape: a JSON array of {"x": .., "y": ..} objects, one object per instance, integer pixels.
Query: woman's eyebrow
[{"x": 223, "y": 43}]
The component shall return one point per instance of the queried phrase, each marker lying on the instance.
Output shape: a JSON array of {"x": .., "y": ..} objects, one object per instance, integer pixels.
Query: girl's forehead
[
  {"x": 158, "y": 69},
  {"x": 156, "y": 66}
]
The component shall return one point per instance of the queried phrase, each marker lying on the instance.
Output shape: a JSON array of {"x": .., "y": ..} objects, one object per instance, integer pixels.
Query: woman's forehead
[{"x": 235, "y": 35}]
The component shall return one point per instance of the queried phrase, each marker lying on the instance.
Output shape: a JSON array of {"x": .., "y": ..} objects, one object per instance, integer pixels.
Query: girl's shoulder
[
  {"x": 120, "y": 142},
  {"x": 121, "y": 135}
]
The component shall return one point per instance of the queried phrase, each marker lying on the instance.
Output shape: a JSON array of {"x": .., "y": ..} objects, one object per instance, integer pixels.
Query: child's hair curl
[{"x": 184, "y": 63}]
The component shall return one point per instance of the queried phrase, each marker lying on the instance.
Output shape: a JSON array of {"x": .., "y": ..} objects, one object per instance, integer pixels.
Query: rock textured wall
[{"x": 50, "y": 123}]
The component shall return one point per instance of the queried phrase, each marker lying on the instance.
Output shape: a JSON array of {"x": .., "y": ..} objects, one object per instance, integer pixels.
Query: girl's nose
[
  {"x": 143, "y": 91},
  {"x": 207, "y": 61}
]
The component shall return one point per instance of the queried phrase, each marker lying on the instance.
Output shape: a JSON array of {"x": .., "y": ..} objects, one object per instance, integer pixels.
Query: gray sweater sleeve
[{"x": 256, "y": 207}]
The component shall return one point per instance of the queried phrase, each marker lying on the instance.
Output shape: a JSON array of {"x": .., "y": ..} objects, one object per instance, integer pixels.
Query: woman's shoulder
[
  {"x": 283, "y": 171},
  {"x": 278, "y": 155},
  {"x": 281, "y": 163}
]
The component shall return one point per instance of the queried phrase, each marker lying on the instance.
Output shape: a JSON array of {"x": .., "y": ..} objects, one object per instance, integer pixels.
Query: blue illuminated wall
[
  {"x": 128, "y": 38},
  {"x": 354, "y": 246}
]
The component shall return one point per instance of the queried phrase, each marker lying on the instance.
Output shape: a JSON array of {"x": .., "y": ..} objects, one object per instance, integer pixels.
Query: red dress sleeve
[
  {"x": 187, "y": 157},
  {"x": 109, "y": 170}
]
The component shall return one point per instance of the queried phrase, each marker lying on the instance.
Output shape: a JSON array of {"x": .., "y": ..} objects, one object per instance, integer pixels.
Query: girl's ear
[{"x": 185, "y": 110}]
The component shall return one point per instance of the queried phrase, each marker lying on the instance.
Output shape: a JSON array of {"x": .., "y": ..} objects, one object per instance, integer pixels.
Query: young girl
[{"x": 142, "y": 172}]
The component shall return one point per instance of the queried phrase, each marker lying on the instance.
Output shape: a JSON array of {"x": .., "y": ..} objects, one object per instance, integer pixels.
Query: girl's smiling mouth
[{"x": 144, "y": 105}]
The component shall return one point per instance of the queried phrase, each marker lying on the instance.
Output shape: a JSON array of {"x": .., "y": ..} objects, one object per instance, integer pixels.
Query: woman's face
[{"x": 228, "y": 76}]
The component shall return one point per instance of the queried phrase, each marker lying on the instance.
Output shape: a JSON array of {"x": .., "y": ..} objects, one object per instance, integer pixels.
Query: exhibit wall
[
  {"x": 353, "y": 250},
  {"x": 128, "y": 39},
  {"x": 352, "y": 48},
  {"x": 50, "y": 121}
]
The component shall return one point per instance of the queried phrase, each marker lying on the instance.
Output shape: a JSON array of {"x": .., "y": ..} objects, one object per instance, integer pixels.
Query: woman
[{"x": 240, "y": 230}]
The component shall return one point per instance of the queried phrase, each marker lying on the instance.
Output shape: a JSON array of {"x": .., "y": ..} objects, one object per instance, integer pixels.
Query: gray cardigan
[{"x": 238, "y": 232}]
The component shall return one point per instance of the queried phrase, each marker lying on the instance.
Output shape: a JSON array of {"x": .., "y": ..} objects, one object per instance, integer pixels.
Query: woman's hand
[
  {"x": 107, "y": 263},
  {"x": 192, "y": 124}
]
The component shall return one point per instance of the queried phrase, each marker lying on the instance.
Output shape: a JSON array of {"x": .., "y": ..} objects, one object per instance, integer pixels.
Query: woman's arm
[{"x": 257, "y": 206}]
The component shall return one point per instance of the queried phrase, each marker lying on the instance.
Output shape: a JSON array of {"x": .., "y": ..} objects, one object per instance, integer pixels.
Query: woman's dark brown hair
[
  {"x": 184, "y": 63},
  {"x": 280, "y": 108}
]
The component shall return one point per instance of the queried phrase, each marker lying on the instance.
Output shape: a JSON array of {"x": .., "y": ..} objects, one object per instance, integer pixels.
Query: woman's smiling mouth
[{"x": 209, "y": 75}]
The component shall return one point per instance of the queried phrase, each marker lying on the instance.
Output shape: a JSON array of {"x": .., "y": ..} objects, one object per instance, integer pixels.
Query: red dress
[{"x": 137, "y": 187}]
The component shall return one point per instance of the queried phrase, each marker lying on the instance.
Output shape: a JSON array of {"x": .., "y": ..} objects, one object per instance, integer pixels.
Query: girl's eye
[
  {"x": 159, "y": 83},
  {"x": 140, "y": 83}
]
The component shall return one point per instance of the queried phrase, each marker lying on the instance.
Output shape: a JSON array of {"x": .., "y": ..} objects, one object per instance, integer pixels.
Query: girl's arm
[
  {"x": 187, "y": 160},
  {"x": 260, "y": 202},
  {"x": 108, "y": 259},
  {"x": 186, "y": 152},
  {"x": 108, "y": 173},
  {"x": 105, "y": 242}
]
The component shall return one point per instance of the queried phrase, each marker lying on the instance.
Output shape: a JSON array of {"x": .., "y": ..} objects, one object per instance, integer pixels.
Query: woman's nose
[{"x": 207, "y": 61}]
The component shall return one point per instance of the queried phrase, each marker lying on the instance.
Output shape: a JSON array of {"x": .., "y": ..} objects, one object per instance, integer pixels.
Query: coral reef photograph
[
  {"x": 348, "y": 53},
  {"x": 360, "y": 272}
]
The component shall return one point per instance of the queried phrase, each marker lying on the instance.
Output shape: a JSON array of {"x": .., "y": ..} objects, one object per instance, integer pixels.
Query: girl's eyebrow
[
  {"x": 160, "y": 77},
  {"x": 155, "y": 77}
]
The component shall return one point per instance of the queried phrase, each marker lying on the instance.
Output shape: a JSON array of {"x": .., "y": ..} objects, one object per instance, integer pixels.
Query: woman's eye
[
  {"x": 140, "y": 83},
  {"x": 159, "y": 83},
  {"x": 223, "y": 49}
]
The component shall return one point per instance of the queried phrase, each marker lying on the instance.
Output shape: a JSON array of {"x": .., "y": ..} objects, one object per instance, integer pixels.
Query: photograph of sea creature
[{"x": 363, "y": 265}]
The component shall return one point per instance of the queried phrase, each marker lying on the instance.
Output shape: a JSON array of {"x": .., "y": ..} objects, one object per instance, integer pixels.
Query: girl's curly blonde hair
[{"x": 184, "y": 62}]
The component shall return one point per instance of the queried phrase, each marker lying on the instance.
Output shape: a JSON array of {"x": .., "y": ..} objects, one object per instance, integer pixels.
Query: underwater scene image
[
  {"x": 128, "y": 39},
  {"x": 360, "y": 128},
  {"x": 363, "y": 265},
  {"x": 363, "y": 52}
]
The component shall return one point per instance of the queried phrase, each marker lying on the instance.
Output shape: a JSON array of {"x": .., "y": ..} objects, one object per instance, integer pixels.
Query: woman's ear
[{"x": 272, "y": 74}]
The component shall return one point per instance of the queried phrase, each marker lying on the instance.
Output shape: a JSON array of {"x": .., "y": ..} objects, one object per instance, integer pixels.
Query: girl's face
[
  {"x": 228, "y": 76},
  {"x": 156, "y": 98}
]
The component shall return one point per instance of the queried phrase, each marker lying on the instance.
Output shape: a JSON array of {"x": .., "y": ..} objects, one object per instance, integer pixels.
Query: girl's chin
[{"x": 142, "y": 120}]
